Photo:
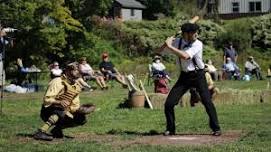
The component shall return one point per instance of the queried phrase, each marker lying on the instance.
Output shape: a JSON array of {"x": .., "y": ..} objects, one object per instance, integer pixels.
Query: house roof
[{"x": 130, "y": 4}]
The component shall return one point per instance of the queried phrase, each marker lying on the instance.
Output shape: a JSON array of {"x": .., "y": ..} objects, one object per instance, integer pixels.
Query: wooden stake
[{"x": 146, "y": 95}]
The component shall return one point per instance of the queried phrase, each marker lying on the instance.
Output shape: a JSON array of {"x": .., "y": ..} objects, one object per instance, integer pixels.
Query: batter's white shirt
[{"x": 194, "y": 50}]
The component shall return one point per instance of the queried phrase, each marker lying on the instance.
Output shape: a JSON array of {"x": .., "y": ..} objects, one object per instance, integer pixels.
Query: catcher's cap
[
  {"x": 71, "y": 66},
  {"x": 189, "y": 27}
]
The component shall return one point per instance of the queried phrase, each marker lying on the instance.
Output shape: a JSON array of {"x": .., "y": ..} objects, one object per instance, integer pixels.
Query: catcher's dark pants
[
  {"x": 64, "y": 121},
  {"x": 186, "y": 81}
]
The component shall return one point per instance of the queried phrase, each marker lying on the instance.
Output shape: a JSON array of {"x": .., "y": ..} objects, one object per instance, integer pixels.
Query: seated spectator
[
  {"x": 231, "y": 70},
  {"x": 195, "y": 97},
  {"x": 89, "y": 74},
  {"x": 55, "y": 71},
  {"x": 22, "y": 78},
  {"x": 252, "y": 67},
  {"x": 158, "y": 69},
  {"x": 212, "y": 70},
  {"x": 110, "y": 71}
]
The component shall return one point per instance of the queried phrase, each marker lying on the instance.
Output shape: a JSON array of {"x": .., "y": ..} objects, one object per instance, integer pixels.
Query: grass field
[{"x": 21, "y": 118}]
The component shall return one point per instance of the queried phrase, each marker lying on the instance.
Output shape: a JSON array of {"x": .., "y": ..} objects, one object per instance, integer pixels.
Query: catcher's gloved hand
[{"x": 86, "y": 108}]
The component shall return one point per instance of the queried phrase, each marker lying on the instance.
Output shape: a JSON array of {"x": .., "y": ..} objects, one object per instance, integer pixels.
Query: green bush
[
  {"x": 261, "y": 34},
  {"x": 238, "y": 32}
]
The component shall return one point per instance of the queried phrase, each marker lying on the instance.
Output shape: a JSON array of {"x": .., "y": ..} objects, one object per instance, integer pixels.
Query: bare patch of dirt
[{"x": 177, "y": 140}]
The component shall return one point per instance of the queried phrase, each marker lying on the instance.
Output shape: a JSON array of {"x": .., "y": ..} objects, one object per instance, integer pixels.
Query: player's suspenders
[{"x": 193, "y": 59}]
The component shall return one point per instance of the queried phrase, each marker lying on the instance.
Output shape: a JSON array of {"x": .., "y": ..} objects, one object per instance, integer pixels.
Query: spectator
[
  {"x": 3, "y": 43},
  {"x": 158, "y": 69},
  {"x": 269, "y": 71},
  {"x": 89, "y": 74},
  {"x": 212, "y": 70},
  {"x": 161, "y": 77},
  {"x": 55, "y": 70},
  {"x": 110, "y": 71},
  {"x": 252, "y": 67},
  {"x": 269, "y": 76},
  {"x": 229, "y": 52},
  {"x": 231, "y": 70}
]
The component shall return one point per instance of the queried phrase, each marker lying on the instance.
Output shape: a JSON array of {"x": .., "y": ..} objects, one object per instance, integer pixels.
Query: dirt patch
[
  {"x": 179, "y": 139},
  {"x": 125, "y": 140}
]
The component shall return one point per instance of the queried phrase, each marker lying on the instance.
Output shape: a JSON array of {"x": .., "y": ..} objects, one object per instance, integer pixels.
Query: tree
[{"x": 45, "y": 27}]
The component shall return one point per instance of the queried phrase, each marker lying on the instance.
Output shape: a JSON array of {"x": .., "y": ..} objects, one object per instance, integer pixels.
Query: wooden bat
[
  {"x": 193, "y": 21},
  {"x": 146, "y": 95}
]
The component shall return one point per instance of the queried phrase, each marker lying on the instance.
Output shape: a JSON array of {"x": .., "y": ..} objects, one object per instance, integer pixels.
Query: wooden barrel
[{"x": 137, "y": 99}]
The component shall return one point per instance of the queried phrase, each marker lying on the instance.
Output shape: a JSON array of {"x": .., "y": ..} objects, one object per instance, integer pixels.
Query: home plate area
[{"x": 178, "y": 140}]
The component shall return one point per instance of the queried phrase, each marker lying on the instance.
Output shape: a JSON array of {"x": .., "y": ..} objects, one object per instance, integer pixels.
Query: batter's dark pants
[
  {"x": 64, "y": 121},
  {"x": 186, "y": 81}
]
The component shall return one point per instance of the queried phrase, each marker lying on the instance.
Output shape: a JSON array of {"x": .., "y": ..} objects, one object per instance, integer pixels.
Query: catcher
[{"x": 61, "y": 106}]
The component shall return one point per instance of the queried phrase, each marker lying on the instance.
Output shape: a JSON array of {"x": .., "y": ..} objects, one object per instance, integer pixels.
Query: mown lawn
[{"x": 21, "y": 118}]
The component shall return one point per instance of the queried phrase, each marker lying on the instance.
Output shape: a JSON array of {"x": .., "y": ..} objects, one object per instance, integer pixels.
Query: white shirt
[
  {"x": 194, "y": 51},
  {"x": 251, "y": 65},
  {"x": 56, "y": 72},
  {"x": 158, "y": 66},
  {"x": 85, "y": 68},
  {"x": 230, "y": 66}
]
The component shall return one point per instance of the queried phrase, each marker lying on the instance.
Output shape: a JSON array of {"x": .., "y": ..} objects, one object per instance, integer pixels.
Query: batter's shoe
[
  {"x": 217, "y": 133},
  {"x": 168, "y": 133}
]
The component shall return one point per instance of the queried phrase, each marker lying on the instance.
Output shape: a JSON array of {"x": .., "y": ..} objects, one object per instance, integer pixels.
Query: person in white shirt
[
  {"x": 252, "y": 67},
  {"x": 189, "y": 51},
  {"x": 158, "y": 69},
  {"x": 55, "y": 70},
  {"x": 231, "y": 70},
  {"x": 88, "y": 73}
]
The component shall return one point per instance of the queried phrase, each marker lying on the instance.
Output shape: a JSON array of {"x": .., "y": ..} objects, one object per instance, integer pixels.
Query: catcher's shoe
[
  {"x": 40, "y": 135},
  {"x": 57, "y": 133}
]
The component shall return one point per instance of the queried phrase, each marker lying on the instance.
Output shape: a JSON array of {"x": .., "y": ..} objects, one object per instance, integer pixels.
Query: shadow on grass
[
  {"x": 120, "y": 132},
  {"x": 26, "y": 135}
]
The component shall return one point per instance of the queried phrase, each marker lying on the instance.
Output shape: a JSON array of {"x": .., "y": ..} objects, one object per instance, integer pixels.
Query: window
[
  {"x": 132, "y": 12},
  {"x": 235, "y": 7},
  {"x": 255, "y": 6}
]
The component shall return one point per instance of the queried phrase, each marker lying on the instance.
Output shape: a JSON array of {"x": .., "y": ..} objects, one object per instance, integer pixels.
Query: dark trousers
[
  {"x": 186, "y": 81},
  {"x": 64, "y": 121}
]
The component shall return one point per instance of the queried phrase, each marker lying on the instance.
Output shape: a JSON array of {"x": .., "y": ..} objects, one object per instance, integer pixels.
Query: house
[
  {"x": 127, "y": 10},
  {"x": 243, "y": 7},
  {"x": 236, "y": 8}
]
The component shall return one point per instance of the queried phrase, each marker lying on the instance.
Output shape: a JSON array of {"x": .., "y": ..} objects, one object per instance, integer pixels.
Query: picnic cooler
[{"x": 137, "y": 99}]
